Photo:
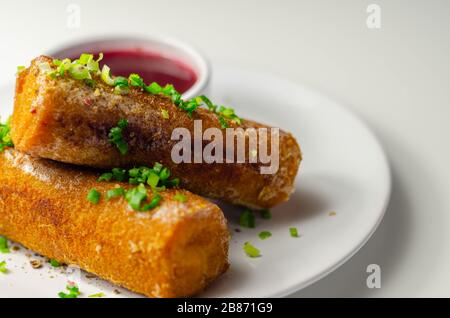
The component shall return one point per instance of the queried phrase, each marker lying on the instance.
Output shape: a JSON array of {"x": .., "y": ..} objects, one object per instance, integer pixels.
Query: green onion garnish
[
  {"x": 3, "y": 268},
  {"x": 114, "y": 193},
  {"x": 134, "y": 173},
  {"x": 164, "y": 174},
  {"x": 153, "y": 203},
  {"x": 247, "y": 219},
  {"x": 5, "y": 137},
  {"x": 157, "y": 177},
  {"x": 119, "y": 174},
  {"x": 55, "y": 263},
  {"x": 136, "y": 80},
  {"x": 136, "y": 196},
  {"x": 121, "y": 85},
  {"x": 223, "y": 122},
  {"x": 180, "y": 197},
  {"x": 106, "y": 77},
  {"x": 20, "y": 69},
  {"x": 153, "y": 179},
  {"x": 85, "y": 58},
  {"x": 94, "y": 196},
  {"x": 74, "y": 292},
  {"x": 265, "y": 214},
  {"x": 251, "y": 251},
  {"x": 121, "y": 90},
  {"x": 175, "y": 182},
  {"x": 153, "y": 88},
  {"x": 105, "y": 177},
  {"x": 165, "y": 114},
  {"x": 264, "y": 235},
  {"x": 79, "y": 72},
  {"x": 208, "y": 103},
  {"x": 293, "y": 231},
  {"x": 157, "y": 167},
  {"x": 90, "y": 82},
  {"x": 98, "y": 295},
  {"x": 4, "y": 249},
  {"x": 116, "y": 137},
  {"x": 168, "y": 90},
  {"x": 120, "y": 81}
]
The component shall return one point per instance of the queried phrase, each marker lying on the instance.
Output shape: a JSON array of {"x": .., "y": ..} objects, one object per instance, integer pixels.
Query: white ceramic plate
[{"x": 344, "y": 171}]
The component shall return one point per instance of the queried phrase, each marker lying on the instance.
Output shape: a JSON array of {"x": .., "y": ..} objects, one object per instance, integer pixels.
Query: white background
[{"x": 397, "y": 78}]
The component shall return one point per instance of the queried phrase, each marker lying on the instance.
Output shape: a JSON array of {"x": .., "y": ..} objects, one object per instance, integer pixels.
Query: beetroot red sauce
[{"x": 152, "y": 67}]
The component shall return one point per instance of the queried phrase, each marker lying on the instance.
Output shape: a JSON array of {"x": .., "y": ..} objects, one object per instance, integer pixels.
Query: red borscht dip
[{"x": 152, "y": 67}]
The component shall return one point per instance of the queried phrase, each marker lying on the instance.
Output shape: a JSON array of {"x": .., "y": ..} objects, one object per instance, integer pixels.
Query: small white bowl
[{"x": 167, "y": 47}]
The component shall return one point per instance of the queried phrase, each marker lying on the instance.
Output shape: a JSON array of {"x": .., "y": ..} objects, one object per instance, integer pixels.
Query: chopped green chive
[
  {"x": 106, "y": 77},
  {"x": 120, "y": 81},
  {"x": 93, "y": 196},
  {"x": 251, "y": 251},
  {"x": 119, "y": 174},
  {"x": 5, "y": 137},
  {"x": 293, "y": 231},
  {"x": 175, "y": 182},
  {"x": 153, "y": 179},
  {"x": 265, "y": 214},
  {"x": 74, "y": 292},
  {"x": 114, "y": 193},
  {"x": 121, "y": 90},
  {"x": 79, "y": 72},
  {"x": 134, "y": 173},
  {"x": 264, "y": 235},
  {"x": 223, "y": 122},
  {"x": 168, "y": 90},
  {"x": 136, "y": 196},
  {"x": 164, "y": 174},
  {"x": 20, "y": 69},
  {"x": 153, "y": 203},
  {"x": 105, "y": 177},
  {"x": 136, "y": 80},
  {"x": 116, "y": 137},
  {"x": 122, "y": 123},
  {"x": 90, "y": 82},
  {"x": 3, "y": 268},
  {"x": 85, "y": 58},
  {"x": 247, "y": 219},
  {"x": 165, "y": 114},
  {"x": 157, "y": 167},
  {"x": 4, "y": 249},
  {"x": 98, "y": 295},
  {"x": 153, "y": 88},
  {"x": 180, "y": 197},
  {"x": 55, "y": 263},
  {"x": 208, "y": 103},
  {"x": 157, "y": 177}
]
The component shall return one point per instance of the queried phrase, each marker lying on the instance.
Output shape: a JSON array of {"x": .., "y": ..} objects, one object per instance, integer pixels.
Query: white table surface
[{"x": 397, "y": 78}]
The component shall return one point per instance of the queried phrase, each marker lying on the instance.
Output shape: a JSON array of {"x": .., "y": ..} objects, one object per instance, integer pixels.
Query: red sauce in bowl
[{"x": 152, "y": 67}]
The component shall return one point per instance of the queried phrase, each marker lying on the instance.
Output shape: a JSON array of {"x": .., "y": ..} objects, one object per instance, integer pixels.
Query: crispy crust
[
  {"x": 175, "y": 250},
  {"x": 67, "y": 121}
]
